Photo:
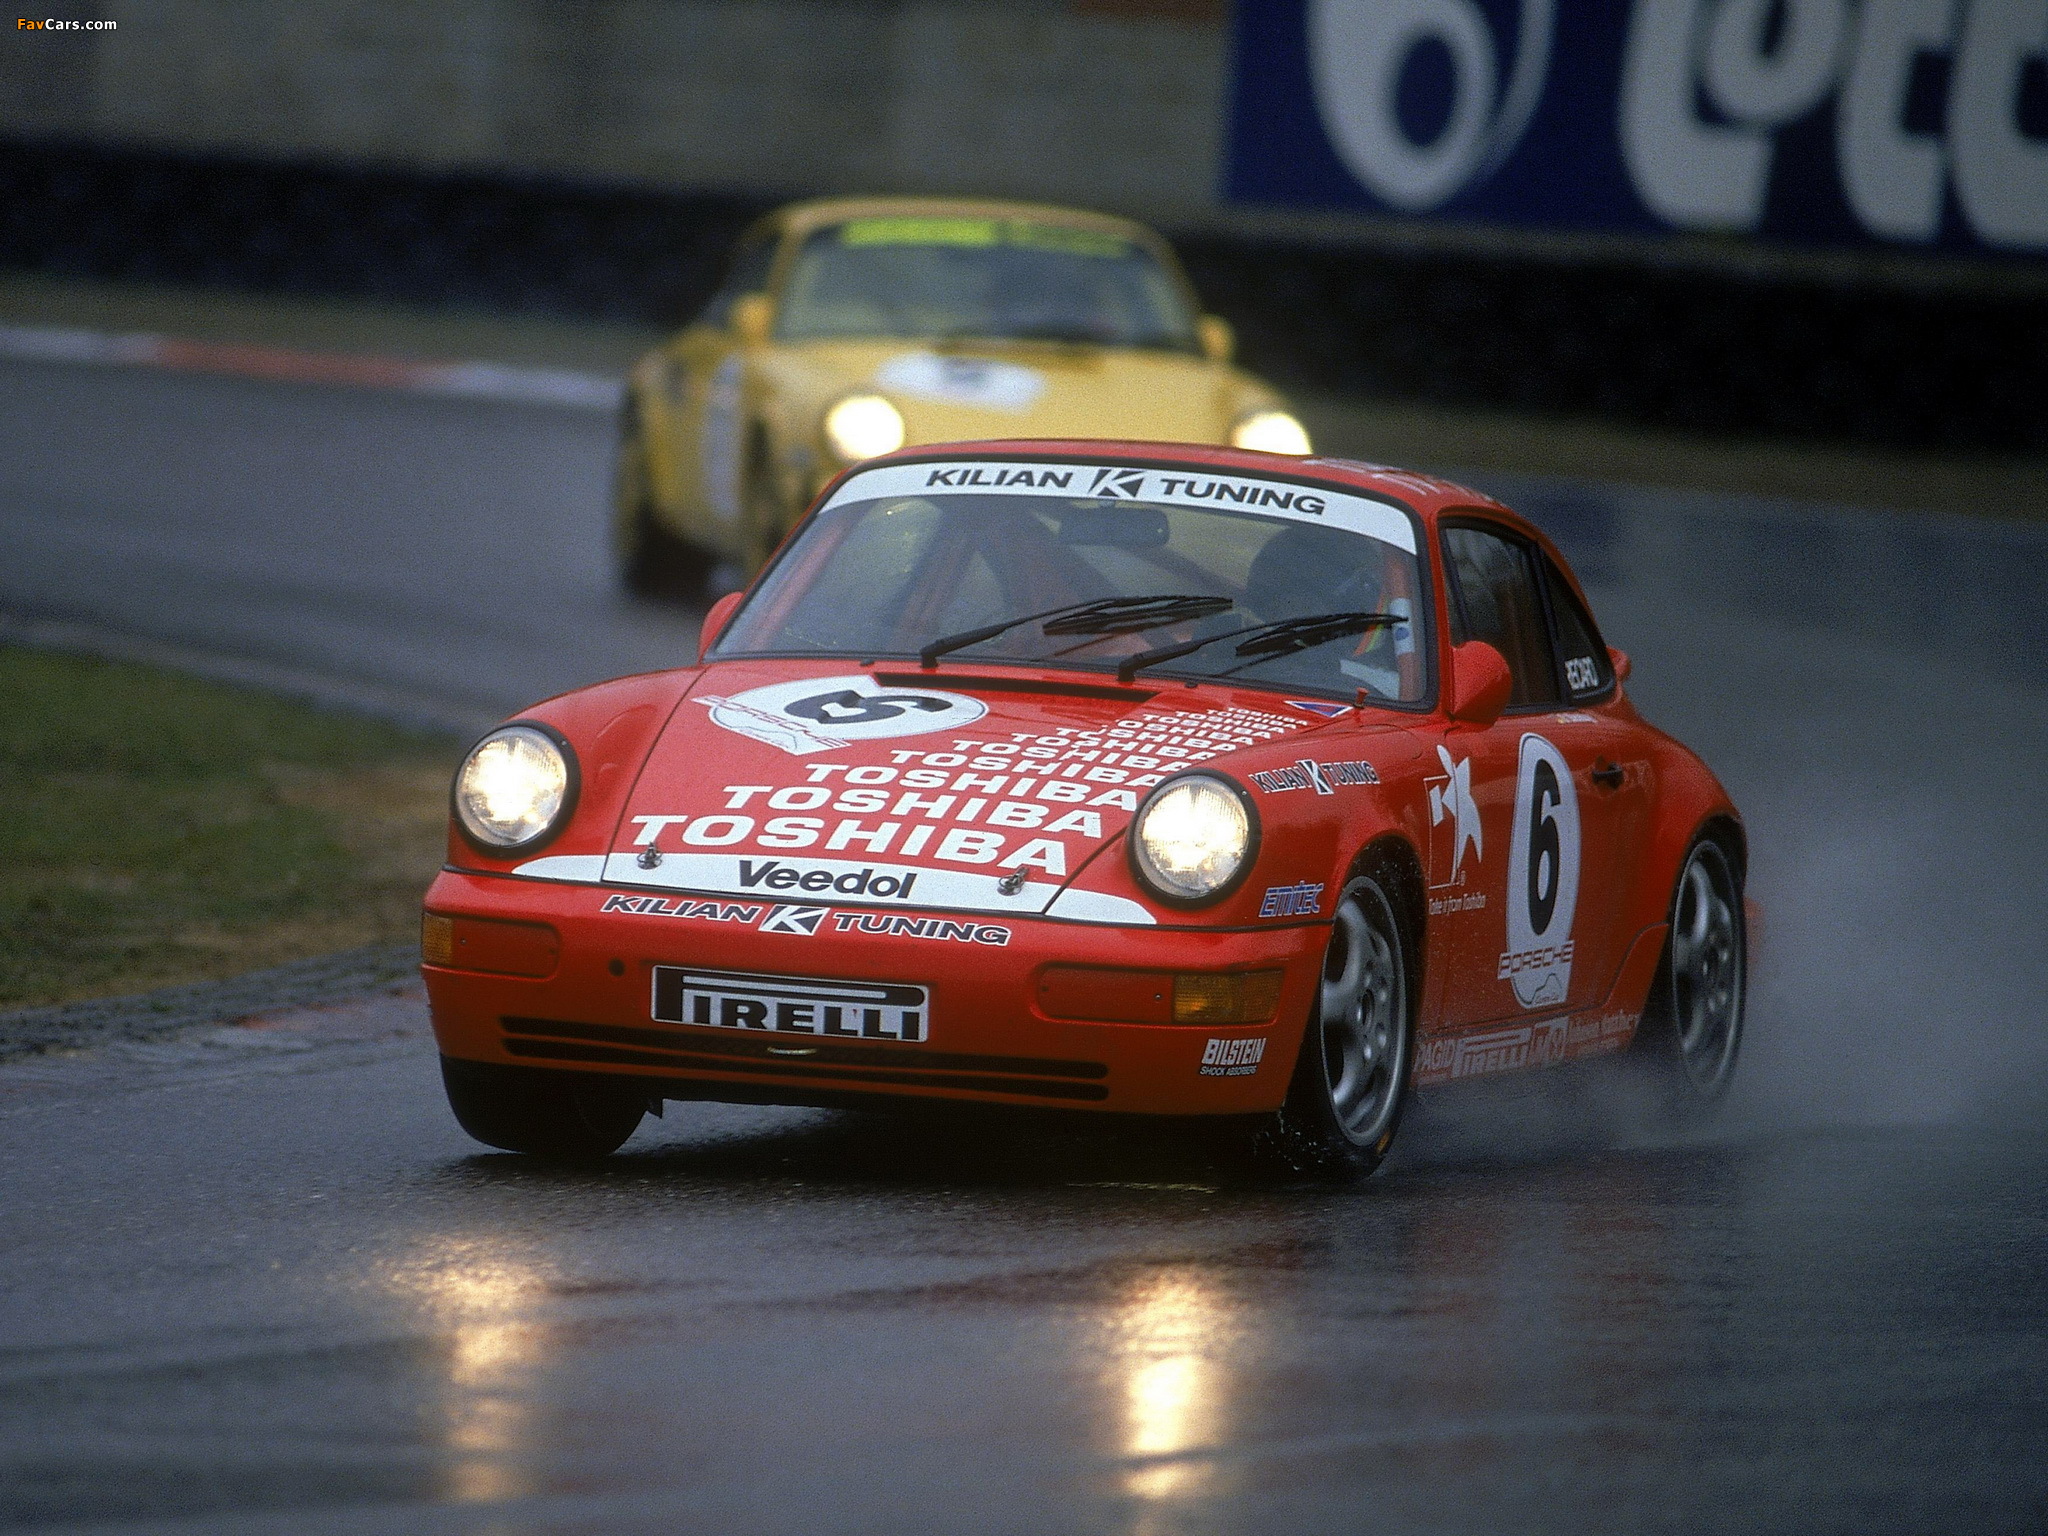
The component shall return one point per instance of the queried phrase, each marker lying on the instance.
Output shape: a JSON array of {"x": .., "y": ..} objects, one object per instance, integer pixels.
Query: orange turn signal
[
  {"x": 437, "y": 939},
  {"x": 486, "y": 944},
  {"x": 1234, "y": 997},
  {"x": 1158, "y": 997}
]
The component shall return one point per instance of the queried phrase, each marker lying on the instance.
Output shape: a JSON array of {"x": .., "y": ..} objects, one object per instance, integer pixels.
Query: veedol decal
[
  {"x": 819, "y": 714},
  {"x": 1543, "y": 877},
  {"x": 791, "y": 1005},
  {"x": 867, "y": 882},
  {"x": 978, "y": 381},
  {"x": 1321, "y": 777},
  {"x": 1287, "y": 499},
  {"x": 1232, "y": 1058},
  {"x": 1450, "y": 798},
  {"x": 1303, "y": 900}
]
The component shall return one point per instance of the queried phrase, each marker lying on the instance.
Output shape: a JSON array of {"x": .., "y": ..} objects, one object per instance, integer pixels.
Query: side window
[
  {"x": 1586, "y": 668},
  {"x": 747, "y": 274},
  {"x": 1495, "y": 599}
]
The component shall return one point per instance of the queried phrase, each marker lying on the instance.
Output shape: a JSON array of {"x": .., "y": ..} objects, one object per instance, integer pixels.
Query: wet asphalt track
[{"x": 276, "y": 1290}]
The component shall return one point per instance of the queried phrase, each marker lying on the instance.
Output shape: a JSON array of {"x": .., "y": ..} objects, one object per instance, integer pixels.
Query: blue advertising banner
[{"x": 1900, "y": 123}]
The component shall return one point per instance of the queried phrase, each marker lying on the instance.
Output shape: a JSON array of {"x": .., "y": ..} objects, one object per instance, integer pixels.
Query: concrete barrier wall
[{"x": 1116, "y": 103}]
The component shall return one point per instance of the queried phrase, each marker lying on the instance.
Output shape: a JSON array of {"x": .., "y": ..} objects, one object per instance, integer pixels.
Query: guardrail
[{"x": 1729, "y": 351}]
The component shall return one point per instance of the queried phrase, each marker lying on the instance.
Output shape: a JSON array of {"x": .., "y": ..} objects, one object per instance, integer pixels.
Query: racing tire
[
  {"x": 562, "y": 1116},
  {"x": 1351, "y": 1079},
  {"x": 1691, "y": 1032},
  {"x": 653, "y": 563}
]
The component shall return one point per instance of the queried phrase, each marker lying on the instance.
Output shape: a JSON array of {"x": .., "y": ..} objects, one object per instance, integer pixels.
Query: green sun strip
[{"x": 983, "y": 234}]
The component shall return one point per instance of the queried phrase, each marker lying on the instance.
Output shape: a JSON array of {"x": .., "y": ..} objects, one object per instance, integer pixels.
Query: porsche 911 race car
[
  {"x": 1118, "y": 778},
  {"x": 852, "y": 327}
]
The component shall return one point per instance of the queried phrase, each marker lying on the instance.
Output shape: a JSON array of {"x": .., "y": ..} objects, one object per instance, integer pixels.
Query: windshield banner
[
  {"x": 1817, "y": 121},
  {"x": 1135, "y": 482}
]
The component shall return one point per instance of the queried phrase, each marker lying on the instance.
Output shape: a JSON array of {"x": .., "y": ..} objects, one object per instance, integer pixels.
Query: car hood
[
  {"x": 984, "y": 790},
  {"x": 1024, "y": 389}
]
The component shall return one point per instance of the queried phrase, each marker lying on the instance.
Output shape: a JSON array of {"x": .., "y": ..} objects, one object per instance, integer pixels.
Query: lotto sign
[{"x": 1881, "y": 122}]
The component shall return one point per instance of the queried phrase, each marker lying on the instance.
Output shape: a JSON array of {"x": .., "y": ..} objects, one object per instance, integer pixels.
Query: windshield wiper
[
  {"x": 1100, "y": 616},
  {"x": 1265, "y": 642}
]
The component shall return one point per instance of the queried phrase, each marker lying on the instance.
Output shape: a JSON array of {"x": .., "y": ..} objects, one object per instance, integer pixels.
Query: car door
[
  {"x": 704, "y": 394},
  {"x": 1525, "y": 849}
]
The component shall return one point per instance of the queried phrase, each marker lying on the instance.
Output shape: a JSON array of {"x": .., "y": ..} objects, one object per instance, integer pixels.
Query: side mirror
[
  {"x": 715, "y": 621},
  {"x": 1621, "y": 664},
  {"x": 753, "y": 317},
  {"x": 1219, "y": 341},
  {"x": 1480, "y": 683}
]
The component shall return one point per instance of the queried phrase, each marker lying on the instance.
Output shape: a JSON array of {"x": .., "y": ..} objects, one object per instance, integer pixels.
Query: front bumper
[{"x": 986, "y": 1040}]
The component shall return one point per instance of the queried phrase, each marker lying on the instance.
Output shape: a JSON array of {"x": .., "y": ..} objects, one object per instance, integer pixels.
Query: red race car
[{"x": 1125, "y": 778}]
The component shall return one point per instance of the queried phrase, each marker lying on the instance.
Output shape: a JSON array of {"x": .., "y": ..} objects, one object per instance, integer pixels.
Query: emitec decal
[
  {"x": 1543, "y": 877},
  {"x": 819, "y": 714}
]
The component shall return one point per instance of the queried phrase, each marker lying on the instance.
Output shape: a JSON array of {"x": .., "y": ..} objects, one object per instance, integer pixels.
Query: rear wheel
[
  {"x": 567, "y": 1116},
  {"x": 1692, "y": 1023},
  {"x": 1351, "y": 1079}
]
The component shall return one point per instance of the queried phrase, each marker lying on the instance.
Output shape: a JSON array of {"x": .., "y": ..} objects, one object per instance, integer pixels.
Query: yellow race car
[{"x": 850, "y": 327}]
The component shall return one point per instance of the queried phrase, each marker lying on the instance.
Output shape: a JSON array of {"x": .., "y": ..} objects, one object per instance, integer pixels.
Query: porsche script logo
[{"x": 819, "y": 714}]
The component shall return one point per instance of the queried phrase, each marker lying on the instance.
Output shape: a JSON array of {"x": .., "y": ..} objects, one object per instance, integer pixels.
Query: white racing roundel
[
  {"x": 819, "y": 714},
  {"x": 1543, "y": 877}
]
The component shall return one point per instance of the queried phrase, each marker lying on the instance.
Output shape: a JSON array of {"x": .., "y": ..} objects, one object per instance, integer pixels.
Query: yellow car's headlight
[
  {"x": 862, "y": 426},
  {"x": 1194, "y": 839},
  {"x": 515, "y": 789},
  {"x": 1270, "y": 432}
]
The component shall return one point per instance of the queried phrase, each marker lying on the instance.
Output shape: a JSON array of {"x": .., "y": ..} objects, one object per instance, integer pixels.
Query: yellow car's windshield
[{"x": 938, "y": 278}]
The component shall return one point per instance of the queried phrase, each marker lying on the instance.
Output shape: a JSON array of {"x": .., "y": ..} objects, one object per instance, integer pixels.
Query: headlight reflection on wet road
[
  {"x": 1173, "y": 1333},
  {"x": 472, "y": 1294}
]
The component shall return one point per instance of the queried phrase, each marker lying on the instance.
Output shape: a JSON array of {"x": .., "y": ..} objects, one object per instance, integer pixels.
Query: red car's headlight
[
  {"x": 1194, "y": 839},
  {"x": 516, "y": 788}
]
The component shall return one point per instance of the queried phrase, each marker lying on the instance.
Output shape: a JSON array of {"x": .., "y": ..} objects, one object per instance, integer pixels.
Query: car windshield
[
  {"x": 939, "y": 278},
  {"x": 910, "y": 556}
]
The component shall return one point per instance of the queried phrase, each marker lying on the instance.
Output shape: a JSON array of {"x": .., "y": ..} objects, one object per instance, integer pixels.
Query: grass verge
[{"x": 162, "y": 830}]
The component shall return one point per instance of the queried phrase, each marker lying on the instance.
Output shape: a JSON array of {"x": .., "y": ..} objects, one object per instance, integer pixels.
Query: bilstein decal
[{"x": 1232, "y": 1058}]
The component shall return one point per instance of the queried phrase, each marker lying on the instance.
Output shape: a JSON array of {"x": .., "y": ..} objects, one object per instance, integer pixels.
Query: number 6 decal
[{"x": 1543, "y": 877}]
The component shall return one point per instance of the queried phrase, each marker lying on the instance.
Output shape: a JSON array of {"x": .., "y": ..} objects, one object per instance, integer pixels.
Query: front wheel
[
  {"x": 1692, "y": 1023},
  {"x": 1351, "y": 1079},
  {"x": 567, "y": 1116},
  {"x": 653, "y": 562}
]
